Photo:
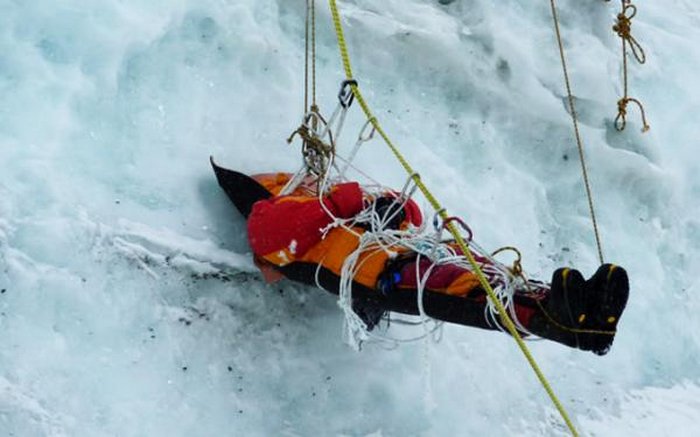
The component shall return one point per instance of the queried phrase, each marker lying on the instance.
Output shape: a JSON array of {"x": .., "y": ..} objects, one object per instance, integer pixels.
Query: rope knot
[
  {"x": 621, "y": 119},
  {"x": 622, "y": 107},
  {"x": 317, "y": 154},
  {"x": 623, "y": 29}
]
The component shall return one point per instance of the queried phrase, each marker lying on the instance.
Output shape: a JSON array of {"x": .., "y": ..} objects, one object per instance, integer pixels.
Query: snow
[{"x": 131, "y": 305}]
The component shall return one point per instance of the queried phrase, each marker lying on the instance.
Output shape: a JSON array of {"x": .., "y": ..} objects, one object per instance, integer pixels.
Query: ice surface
[{"x": 130, "y": 305}]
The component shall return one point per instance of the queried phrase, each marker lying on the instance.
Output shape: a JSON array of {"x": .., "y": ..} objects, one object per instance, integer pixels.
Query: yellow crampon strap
[{"x": 505, "y": 319}]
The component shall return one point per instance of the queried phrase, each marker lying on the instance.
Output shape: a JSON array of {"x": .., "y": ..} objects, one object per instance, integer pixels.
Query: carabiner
[{"x": 345, "y": 95}]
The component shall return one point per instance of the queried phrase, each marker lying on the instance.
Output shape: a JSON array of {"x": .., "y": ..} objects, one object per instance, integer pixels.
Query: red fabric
[
  {"x": 413, "y": 213},
  {"x": 295, "y": 223},
  {"x": 524, "y": 314},
  {"x": 440, "y": 277},
  {"x": 346, "y": 199}
]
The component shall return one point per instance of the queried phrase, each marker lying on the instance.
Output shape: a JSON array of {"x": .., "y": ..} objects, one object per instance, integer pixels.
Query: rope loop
[
  {"x": 621, "y": 119},
  {"x": 364, "y": 138},
  {"x": 517, "y": 268},
  {"x": 623, "y": 29},
  {"x": 413, "y": 177}
]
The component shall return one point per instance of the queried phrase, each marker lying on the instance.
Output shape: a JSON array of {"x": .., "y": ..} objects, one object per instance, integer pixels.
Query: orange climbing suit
[{"x": 286, "y": 229}]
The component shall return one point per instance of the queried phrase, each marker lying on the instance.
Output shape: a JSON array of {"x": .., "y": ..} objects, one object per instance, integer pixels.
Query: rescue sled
[{"x": 369, "y": 303}]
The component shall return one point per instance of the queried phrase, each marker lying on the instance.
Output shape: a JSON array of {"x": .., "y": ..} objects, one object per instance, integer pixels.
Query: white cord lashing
[{"x": 377, "y": 237}]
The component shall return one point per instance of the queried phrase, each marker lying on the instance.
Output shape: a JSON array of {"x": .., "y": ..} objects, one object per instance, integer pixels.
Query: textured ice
[{"x": 129, "y": 302}]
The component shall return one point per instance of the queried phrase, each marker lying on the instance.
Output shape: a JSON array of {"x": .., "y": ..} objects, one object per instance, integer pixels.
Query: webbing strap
[{"x": 505, "y": 319}]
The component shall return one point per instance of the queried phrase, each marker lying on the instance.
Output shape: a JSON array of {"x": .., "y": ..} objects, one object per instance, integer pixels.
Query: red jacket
[
  {"x": 286, "y": 229},
  {"x": 282, "y": 229}
]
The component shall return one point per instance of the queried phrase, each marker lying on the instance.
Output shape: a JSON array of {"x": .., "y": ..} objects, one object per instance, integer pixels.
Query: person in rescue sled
[{"x": 291, "y": 237}]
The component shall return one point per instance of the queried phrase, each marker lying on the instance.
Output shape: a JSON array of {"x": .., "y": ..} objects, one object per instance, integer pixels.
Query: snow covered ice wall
[{"x": 129, "y": 303}]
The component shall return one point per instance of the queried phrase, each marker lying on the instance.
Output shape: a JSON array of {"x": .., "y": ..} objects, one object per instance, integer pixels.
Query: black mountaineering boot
[
  {"x": 583, "y": 314},
  {"x": 560, "y": 312},
  {"x": 608, "y": 290}
]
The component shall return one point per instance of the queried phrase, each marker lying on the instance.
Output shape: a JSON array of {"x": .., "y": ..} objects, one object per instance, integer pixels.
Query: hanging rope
[
  {"x": 313, "y": 55},
  {"x": 505, "y": 319},
  {"x": 310, "y": 55},
  {"x": 623, "y": 29},
  {"x": 306, "y": 58},
  {"x": 314, "y": 129},
  {"x": 579, "y": 141}
]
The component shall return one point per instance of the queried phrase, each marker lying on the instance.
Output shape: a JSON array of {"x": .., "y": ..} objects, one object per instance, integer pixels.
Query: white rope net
[{"x": 378, "y": 236}]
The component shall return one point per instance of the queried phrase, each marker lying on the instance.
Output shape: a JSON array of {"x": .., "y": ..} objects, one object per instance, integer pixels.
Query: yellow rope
[
  {"x": 505, "y": 319},
  {"x": 577, "y": 132}
]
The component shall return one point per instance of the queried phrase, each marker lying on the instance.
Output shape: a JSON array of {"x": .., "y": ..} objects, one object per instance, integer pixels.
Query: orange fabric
[
  {"x": 280, "y": 258},
  {"x": 297, "y": 199},
  {"x": 371, "y": 265},
  {"x": 274, "y": 182},
  {"x": 270, "y": 274},
  {"x": 466, "y": 282},
  {"x": 339, "y": 243},
  {"x": 282, "y": 229}
]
